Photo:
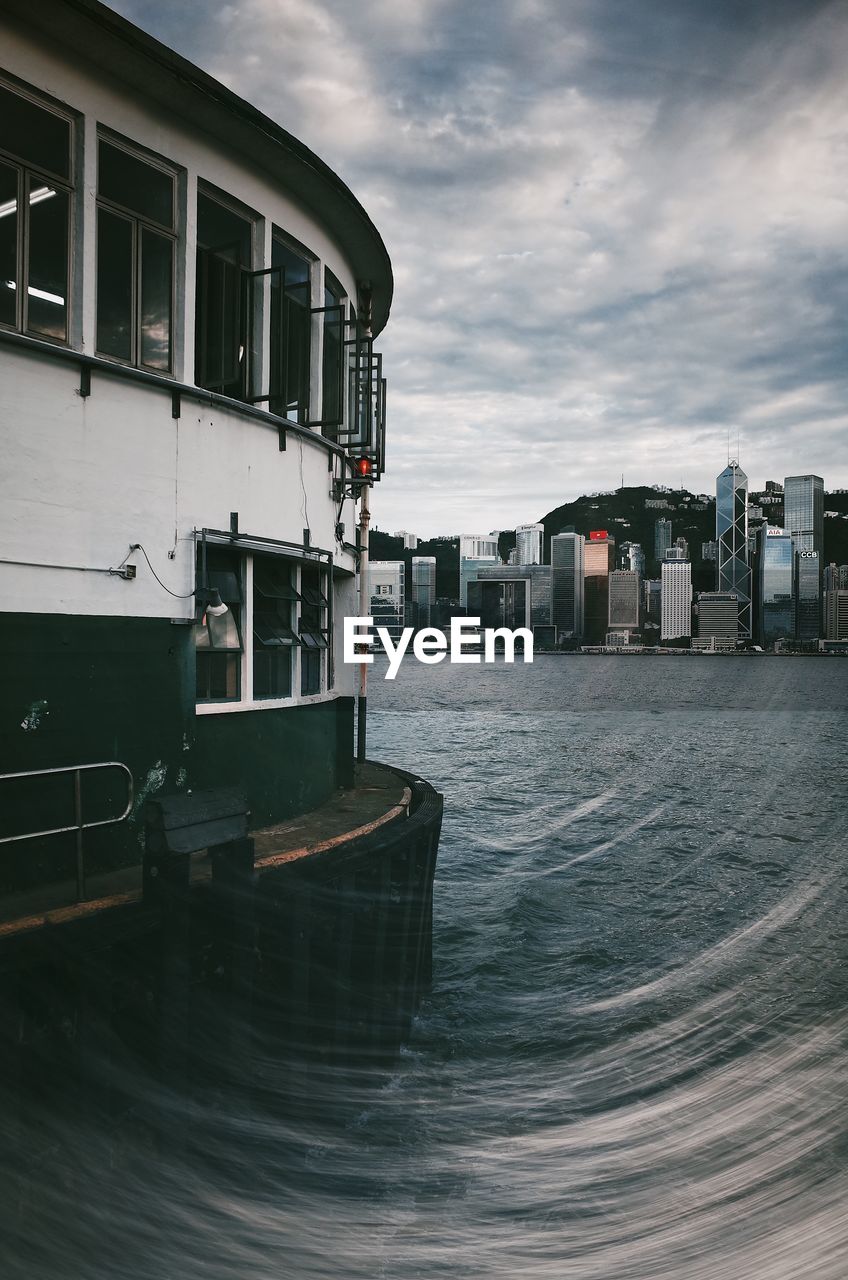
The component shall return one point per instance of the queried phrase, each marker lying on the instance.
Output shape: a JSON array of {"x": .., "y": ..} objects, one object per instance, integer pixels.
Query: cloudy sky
[{"x": 619, "y": 230}]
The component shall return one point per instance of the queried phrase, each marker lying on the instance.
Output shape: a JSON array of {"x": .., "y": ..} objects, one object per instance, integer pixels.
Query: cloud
[{"x": 618, "y": 230}]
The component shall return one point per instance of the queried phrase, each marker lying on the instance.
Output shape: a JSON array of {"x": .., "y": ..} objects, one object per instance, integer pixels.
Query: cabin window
[
  {"x": 313, "y": 633},
  {"x": 282, "y": 606},
  {"x": 224, "y": 248},
  {"x": 136, "y": 251},
  {"x": 274, "y": 639},
  {"x": 218, "y": 636},
  {"x": 35, "y": 217},
  {"x": 291, "y": 333},
  {"x": 332, "y": 360}
]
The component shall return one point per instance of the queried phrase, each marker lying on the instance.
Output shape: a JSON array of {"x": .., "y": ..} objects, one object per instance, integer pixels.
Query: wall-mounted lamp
[
  {"x": 209, "y": 602},
  {"x": 208, "y": 599},
  {"x": 215, "y": 625}
]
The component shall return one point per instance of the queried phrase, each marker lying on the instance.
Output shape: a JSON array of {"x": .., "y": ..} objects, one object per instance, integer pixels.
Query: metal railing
[{"x": 78, "y": 825}]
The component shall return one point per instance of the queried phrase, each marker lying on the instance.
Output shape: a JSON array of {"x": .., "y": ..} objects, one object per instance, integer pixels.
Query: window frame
[
  {"x": 313, "y": 628},
  {"x": 250, "y": 309},
  {"x": 26, "y": 173},
  {"x": 285, "y": 566},
  {"x": 200, "y": 622},
  {"x": 140, "y": 223},
  {"x": 247, "y": 699},
  {"x": 267, "y": 278},
  {"x": 333, "y": 425}
]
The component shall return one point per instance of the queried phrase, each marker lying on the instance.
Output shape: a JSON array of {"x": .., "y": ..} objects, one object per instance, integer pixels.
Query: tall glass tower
[
  {"x": 803, "y": 506},
  {"x": 599, "y": 559},
  {"x": 422, "y": 594},
  {"x": 807, "y": 596},
  {"x": 567, "y": 597},
  {"x": 776, "y": 563},
  {"x": 529, "y": 539},
  {"x": 662, "y": 537},
  {"x": 734, "y": 573}
]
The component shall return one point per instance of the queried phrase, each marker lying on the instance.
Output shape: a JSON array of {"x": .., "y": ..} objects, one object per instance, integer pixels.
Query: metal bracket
[
  {"x": 348, "y": 489},
  {"x": 175, "y": 404},
  {"x": 282, "y": 432},
  {"x": 85, "y": 381}
]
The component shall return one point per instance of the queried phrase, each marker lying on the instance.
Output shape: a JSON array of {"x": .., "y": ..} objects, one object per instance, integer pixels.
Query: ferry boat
[{"x": 193, "y": 414}]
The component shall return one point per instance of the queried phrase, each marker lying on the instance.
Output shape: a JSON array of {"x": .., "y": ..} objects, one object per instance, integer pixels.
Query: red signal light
[{"x": 362, "y": 467}]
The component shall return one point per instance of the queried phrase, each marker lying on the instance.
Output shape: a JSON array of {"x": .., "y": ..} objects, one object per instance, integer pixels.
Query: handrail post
[
  {"x": 364, "y": 610},
  {"x": 79, "y": 826}
]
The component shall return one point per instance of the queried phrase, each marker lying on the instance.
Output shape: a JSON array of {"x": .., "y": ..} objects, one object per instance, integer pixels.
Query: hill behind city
[{"x": 628, "y": 514}]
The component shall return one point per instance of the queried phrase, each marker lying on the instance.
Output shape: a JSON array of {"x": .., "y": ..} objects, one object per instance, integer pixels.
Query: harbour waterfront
[{"x": 633, "y": 1061}]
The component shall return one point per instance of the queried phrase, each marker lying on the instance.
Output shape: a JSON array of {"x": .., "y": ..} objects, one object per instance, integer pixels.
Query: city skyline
[
  {"x": 771, "y": 589},
  {"x": 587, "y": 279},
  {"x": 709, "y": 493}
]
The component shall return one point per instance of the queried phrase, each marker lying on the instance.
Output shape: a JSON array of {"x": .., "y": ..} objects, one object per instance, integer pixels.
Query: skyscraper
[
  {"x": 803, "y": 512},
  {"x": 835, "y": 578},
  {"x": 807, "y": 596},
  {"x": 422, "y": 591},
  {"x": 632, "y": 557},
  {"x": 774, "y": 593},
  {"x": 836, "y": 614},
  {"x": 734, "y": 573},
  {"x": 624, "y": 600},
  {"x": 803, "y": 517},
  {"x": 676, "y": 601},
  {"x": 652, "y": 596},
  {"x": 500, "y": 602},
  {"x": 662, "y": 538},
  {"x": 528, "y": 543},
  {"x": 386, "y": 592},
  {"x": 468, "y": 571},
  {"x": 599, "y": 559},
  {"x": 478, "y": 546},
  {"x": 538, "y": 577},
  {"x": 718, "y": 620},
  {"x": 567, "y": 575}
]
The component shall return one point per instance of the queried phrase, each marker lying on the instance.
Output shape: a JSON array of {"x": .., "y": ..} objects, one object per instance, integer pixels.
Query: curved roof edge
[{"x": 100, "y": 35}]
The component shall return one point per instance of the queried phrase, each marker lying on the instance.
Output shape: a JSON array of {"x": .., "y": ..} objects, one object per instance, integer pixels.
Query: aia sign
[{"x": 595, "y": 535}]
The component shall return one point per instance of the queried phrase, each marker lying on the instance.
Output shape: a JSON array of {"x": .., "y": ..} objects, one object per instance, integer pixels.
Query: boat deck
[{"x": 378, "y": 796}]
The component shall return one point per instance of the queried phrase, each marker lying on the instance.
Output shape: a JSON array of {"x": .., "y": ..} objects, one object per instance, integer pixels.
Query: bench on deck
[{"x": 177, "y": 826}]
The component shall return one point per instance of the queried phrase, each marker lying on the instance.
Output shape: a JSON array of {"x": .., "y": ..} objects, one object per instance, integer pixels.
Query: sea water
[{"x": 633, "y": 1062}]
